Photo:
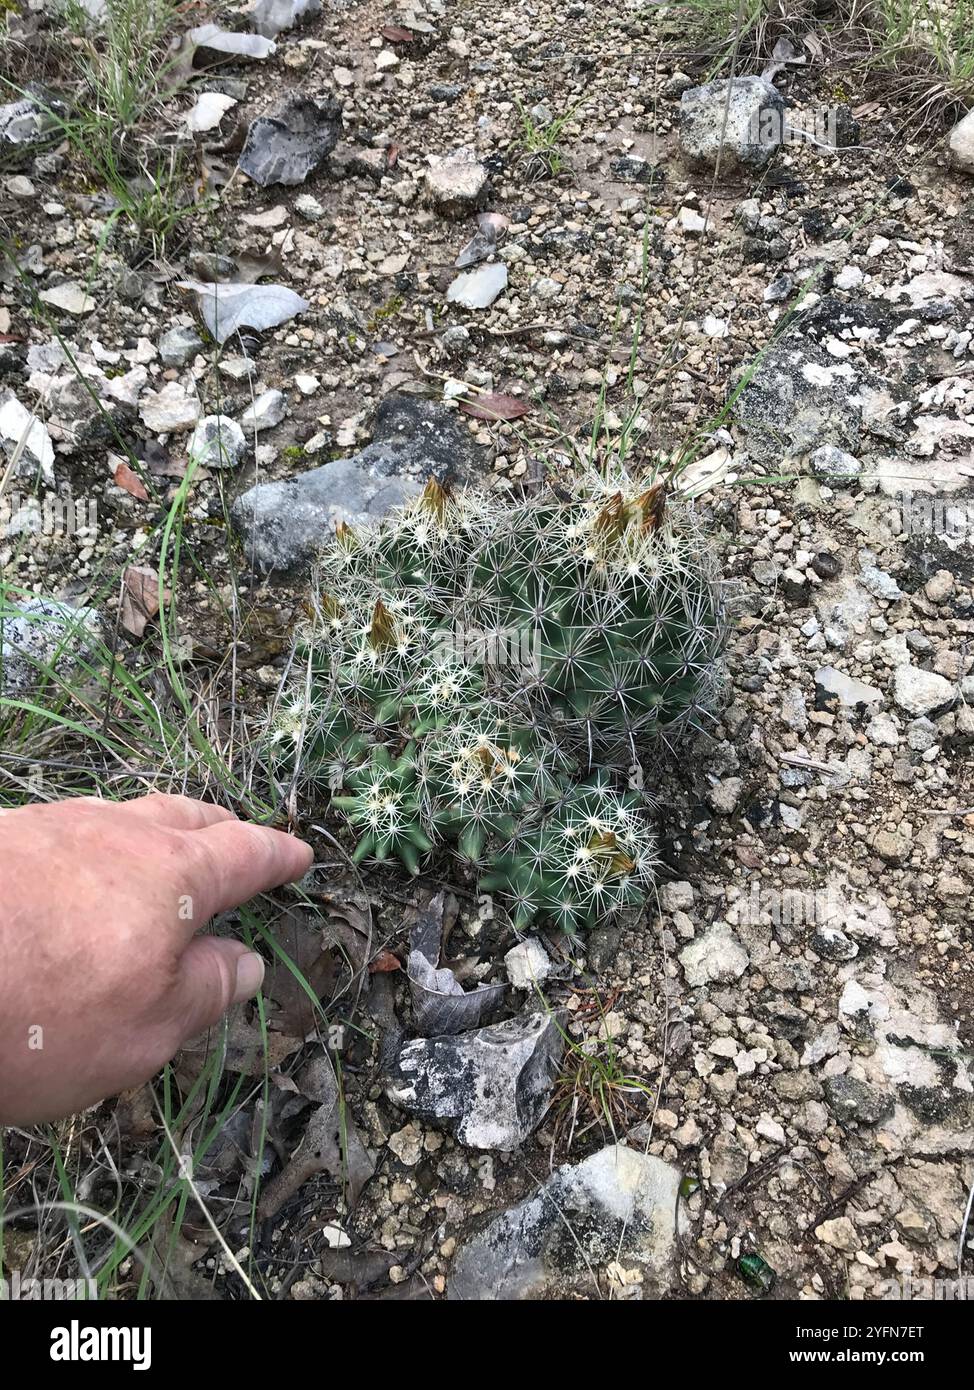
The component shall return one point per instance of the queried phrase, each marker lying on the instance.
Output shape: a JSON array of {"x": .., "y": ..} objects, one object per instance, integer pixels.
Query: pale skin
[{"x": 104, "y": 972}]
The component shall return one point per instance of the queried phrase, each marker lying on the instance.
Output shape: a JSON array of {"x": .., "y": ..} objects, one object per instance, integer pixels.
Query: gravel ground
[{"x": 801, "y": 1008}]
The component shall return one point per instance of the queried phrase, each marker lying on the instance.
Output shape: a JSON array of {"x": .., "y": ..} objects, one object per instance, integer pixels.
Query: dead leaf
[
  {"x": 251, "y": 268},
  {"x": 136, "y": 1113},
  {"x": 349, "y": 928},
  {"x": 140, "y": 598},
  {"x": 301, "y": 940},
  {"x": 384, "y": 961},
  {"x": 128, "y": 479},
  {"x": 493, "y": 405},
  {"x": 361, "y": 1267},
  {"x": 395, "y": 33},
  {"x": 440, "y": 1003},
  {"x": 242, "y": 1048},
  {"x": 331, "y": 1144},
  {"x": 158, "y": 461}
]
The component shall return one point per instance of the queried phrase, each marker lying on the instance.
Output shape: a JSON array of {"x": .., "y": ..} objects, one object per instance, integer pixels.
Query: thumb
[{"x": 214, "y": 973}]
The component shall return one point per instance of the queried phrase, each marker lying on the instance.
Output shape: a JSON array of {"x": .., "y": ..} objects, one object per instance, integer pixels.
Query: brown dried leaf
[
  {"x": 385, "y": 961},
  {"x": 495, "y": 406},
  {"x": 395, "y": 33},
  {"x": 128, "y": 479},
  {"x": 140, "y": 598},
  {"x": 300, "y": 938},
  {"x": 242, "y": 1048}
]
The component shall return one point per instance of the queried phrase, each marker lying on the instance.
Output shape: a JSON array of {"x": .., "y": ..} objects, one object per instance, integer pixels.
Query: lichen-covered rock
[
  {"x": 615, "y": 1212},
  {"x": 921, "y": 692},
  {"x": 737, "y": 123},
  {"x": 492, "y": 1085},
  {"x": 217, "y": 442},
  {"x": 456, "y": 184},
  {"x": 717, "y": 957},
  {"x": 285, "y": 523},
  {"x": 41, "y": 632}
]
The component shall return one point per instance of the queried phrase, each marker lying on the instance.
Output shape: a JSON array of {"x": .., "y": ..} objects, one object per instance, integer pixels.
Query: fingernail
[{"x": 250, "y": 976}]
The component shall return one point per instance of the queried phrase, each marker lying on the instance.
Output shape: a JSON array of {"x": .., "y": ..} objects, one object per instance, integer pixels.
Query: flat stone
[
  {"x": 37, "y": 632},
  {"x": 584, "y": 1230},
  {"x": 170, "y": 410},
  {"x": 285, "y": 148},
  {"x": 492, "y": 1085},
  {"x": 285, "y": 523},
  {"x": 478, "y": 288},
  {"x": 846, "y": 689},
  {"x": 209, "y": 111},
  {"x": 717, "y": 957},
  {"x": 18, "y": 423},
  {"x": 69, "y": 297},
  {"x": 31, "y": 119}
]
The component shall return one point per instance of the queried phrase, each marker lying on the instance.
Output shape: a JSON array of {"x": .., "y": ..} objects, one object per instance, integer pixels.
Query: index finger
[{"x": 233, "y": 861}]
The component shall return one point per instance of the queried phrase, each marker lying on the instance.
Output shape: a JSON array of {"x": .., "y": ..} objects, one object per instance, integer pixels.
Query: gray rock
[
  {"x": 617, "y": 1207},
  {"x": 169, "y": 410},
  {"x": 831, "y": 943},
  {"x": 633, "y": 169},
  {"x": 855, "y": 1102},
  {"x": 779, "y": 290},
  {"x": 717, "y": 957},
  {"x": 528, "y": 964},
  {"x": 492, "y": 1085},
  {"x": 21, "y": 433},
  {"x": 217, "y": 442},
  {"x": 676, "y": 897},
  {"x": 737, "y": 122},
  {"x": 834, "y": 464},
  {"x": 801, "y": 398},
  {"x": 286, "y": 148},
  {"x": 37, "y": 632},
  {"x": 267, "y": 411},
  {"x": 724, "y": 795},
  {"x": 285, "y": 523},
  {"x": 271, "y": 17},
  {"x": 960, "y": 144},
  {"x": 456, "y": 184},
  {"x": 921, "y": 692},
  {"x": 31, "y": 119},
  {"x": 308, "y": 207},
  {"x": 456, "y": 341},
  {"x": 177, "y": 346}
]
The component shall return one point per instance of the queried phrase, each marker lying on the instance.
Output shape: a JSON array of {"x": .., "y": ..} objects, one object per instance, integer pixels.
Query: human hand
[{"x": 102, "y": 973}]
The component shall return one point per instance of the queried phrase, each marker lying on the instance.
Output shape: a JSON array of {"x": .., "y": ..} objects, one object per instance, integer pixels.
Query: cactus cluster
[{"x": 486, "y": 675}]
